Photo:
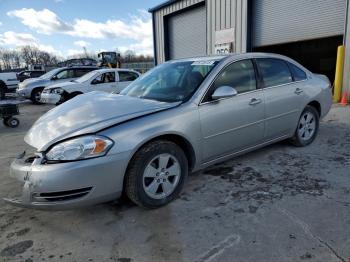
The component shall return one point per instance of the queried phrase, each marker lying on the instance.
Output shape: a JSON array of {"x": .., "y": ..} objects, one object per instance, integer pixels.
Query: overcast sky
[{"x": 64, "y": 27}]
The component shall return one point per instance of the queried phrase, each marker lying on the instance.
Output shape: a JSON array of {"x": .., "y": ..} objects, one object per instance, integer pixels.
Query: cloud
[
  {"x": 44, "y": 21},
  {"x": 0, "y": 23},
  {"x": 81, "y": 43},
  {"x": 72, "y": 52},
  {"x": 17, "y": 39},
  {"x": 138, "y": 29},
  {"x": 11, "y": 38}
]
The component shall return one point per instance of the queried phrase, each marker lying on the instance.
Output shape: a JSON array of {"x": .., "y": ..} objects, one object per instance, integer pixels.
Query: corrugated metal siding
[
  {"x": 225, "y": 14},
  {"x": 159, "y": 24},
  {"x": 283, "y": 21},
  {"x": 187, "y": 34},
  {"x": 221, "y": 14}
]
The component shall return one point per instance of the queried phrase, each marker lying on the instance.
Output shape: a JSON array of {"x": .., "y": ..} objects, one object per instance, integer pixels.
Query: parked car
[
  {"x": 32, "y": 88},
  {"x": 8, "y": 83},
  {"x": 106, "y": 80},
  {"x": 23, "y": 75},
  {"x": 182, "y": 116}
]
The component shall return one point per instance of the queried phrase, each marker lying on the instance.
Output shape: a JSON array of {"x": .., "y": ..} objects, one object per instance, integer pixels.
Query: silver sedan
[{"x": 182, "y": 116}]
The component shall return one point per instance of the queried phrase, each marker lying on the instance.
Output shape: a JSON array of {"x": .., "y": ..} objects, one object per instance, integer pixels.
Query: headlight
[
  {"x": 58, "y": 91},
  {"x": 80, "y": 148}
]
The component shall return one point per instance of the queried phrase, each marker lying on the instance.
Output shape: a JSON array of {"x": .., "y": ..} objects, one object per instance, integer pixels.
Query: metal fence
[{"x": 142, "y": 67}]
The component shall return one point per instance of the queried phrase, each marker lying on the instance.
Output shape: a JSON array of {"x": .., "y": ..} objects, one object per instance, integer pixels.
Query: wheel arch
[
  {"x": 315, "y": 104},
  {"x": 179, "y": 140}
]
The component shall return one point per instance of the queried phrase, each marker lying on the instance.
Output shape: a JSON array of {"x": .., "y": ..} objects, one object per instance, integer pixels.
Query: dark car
[{"x": 23, "y": 75}]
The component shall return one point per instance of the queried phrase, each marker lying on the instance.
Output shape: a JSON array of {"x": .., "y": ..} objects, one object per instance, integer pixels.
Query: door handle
[
  {"x": 254, "y": 101},
  {"x": 298, "y": 91}
]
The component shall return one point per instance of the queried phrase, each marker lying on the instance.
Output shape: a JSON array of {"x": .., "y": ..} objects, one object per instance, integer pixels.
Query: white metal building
[{"x": 308, "y": 31}]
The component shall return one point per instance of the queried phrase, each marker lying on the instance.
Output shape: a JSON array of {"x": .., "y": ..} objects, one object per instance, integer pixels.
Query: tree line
[
  {"x": 25, "y": 56},
  {"x": 30, "y": 55}
]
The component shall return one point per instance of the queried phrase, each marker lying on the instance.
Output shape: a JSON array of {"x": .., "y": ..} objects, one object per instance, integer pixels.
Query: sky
[{"x": 64, "y": 27}]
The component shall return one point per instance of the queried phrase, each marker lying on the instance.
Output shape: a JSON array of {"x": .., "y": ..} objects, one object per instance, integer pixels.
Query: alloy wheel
[
  {"x": 161, "y": 176},
  {"x": 307, "y": 126}
]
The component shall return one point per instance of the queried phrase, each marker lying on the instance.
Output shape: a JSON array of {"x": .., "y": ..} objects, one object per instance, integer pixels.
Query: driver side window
[
  {"x": 239, "y": 75},
  {"x": 104, "y": 78}
]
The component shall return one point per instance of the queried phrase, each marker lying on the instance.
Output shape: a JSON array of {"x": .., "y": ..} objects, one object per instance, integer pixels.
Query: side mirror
[
  {"x": 94, "y": 82},
  {"x": 54, "y": 78},
  {"x": 224, "y": 92}
]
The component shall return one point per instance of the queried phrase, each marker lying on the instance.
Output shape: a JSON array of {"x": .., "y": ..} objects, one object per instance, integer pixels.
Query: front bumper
[
  {"x": 68, "y": 185},
  {"x": 49, "y": 98},
  {"x": 24, "y": 92}
]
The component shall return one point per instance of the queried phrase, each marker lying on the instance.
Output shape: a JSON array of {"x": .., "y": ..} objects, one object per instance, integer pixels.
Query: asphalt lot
[{"x": 279, "y": 203}]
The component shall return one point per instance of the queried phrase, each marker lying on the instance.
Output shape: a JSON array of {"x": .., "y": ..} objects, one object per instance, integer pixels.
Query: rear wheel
[
  {"x": 156, "y": 174},
  {"x": 307, "y": 128}
]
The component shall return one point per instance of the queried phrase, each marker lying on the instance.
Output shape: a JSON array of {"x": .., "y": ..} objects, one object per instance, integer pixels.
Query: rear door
[
  {"x": 283, "y": 97},
  {"x": 125, "y": 78},
  {"x": 236, "y": 123}
]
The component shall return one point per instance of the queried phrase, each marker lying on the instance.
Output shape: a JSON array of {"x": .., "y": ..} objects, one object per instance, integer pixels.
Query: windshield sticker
[{"x": 205, "y": 63}]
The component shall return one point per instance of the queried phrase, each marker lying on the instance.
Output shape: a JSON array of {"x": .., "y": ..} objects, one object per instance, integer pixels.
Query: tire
[
  {"x": 13, "y": 122},
  {"x": 159, "y": 186},
  {"x": 35, "y": 96},
  {"x": 305, "y": 135},
  {"x": 5, "y": 121},
  {"x": 68, "y": 96},
  {"x": 3, "y": 89}
]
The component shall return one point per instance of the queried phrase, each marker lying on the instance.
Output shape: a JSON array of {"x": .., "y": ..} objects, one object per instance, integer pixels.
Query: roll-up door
[
  {"x": 283, "y": 21},
  {"x": 187, "y": 33}
]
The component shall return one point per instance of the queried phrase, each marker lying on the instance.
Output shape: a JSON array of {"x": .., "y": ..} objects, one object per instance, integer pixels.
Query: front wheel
[
  {"x": 36, "y": 96},
  {"x": 307, "y": 128},
  {"x": 156, "y": 174},
  {"x": 12, "y": 122}
]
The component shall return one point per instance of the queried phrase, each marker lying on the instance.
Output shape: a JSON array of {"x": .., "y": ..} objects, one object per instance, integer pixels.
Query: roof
[{"x": 160, "y": 6}]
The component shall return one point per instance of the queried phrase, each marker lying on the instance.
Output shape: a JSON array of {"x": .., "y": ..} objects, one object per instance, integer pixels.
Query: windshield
[
  {"x": 50, "y": 74},
  {"x": 171, "y": 82},
  {"x": 85, "y": 77}
]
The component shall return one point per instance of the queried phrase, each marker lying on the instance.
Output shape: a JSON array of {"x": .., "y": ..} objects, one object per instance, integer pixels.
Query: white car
[{"x": 106, "y": 80}]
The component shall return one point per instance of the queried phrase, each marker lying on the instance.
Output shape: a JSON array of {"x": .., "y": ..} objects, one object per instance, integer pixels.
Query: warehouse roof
[{"x": 160, "y": 6}]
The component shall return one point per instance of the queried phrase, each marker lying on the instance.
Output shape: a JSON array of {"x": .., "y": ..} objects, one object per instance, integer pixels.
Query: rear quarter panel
[{"x": 318, "y": 89}]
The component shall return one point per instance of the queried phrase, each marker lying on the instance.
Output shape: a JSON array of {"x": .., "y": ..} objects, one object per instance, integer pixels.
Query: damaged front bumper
[{"x": 67, "y": 185}]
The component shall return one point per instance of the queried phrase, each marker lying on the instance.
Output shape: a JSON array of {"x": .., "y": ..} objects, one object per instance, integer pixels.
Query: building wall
[{"x": 221, "y": 14}]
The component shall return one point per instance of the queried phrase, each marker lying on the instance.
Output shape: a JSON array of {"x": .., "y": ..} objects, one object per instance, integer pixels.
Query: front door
[
  {"x": 104, "y": 82},
  {"x": 236, "y": 123}
]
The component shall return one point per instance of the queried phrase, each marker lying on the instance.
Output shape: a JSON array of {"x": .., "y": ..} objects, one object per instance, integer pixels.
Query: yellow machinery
[{"x": 109, "y": 59}]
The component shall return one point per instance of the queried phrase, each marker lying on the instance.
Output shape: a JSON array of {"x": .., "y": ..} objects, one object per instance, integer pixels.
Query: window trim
[
  {"x": 296, "y": 81},
  {"x": 262, "y": 78},
  {"x": 202, "y": 102}
]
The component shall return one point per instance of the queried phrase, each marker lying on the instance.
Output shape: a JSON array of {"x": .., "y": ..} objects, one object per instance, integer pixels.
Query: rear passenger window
[
  {"x": 298, "y": 73},
  {"x": 239, "y": 75},
  {"x": 274, "y": 71},
  {"x": 125, "y": 76}
]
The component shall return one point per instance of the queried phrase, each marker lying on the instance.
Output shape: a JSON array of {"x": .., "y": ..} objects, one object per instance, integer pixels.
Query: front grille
[{"x": 62, "y": 195}]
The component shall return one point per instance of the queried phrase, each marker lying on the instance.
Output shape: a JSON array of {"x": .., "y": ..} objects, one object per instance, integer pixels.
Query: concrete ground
[{"x": 280, "y": 203}]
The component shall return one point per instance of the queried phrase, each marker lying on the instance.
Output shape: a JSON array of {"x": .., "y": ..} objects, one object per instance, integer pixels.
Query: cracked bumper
[{"x": 68, "y": 185}]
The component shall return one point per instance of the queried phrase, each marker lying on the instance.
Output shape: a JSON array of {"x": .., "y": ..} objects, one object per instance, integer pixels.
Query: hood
[
  {"x": 63, "y": 85},
  {"x": 34, "y": 82},
  {"x": 88, "y": 113}
]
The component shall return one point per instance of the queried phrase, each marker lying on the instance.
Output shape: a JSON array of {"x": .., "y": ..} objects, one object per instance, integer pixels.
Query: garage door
[
  {"x": 283, "y": 21},
  {"x": 187, "y": 33}
]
